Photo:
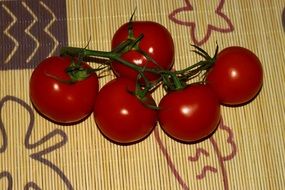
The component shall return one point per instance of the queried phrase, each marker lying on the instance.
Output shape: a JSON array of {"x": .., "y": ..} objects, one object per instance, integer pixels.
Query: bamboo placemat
[{"x": 246, "y": 152}]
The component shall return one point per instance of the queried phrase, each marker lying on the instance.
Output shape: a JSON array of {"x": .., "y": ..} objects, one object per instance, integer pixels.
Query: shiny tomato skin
[
  {"x": 121, "y": 116},
  {"x": 59, "y": 101},
  {"x": 237, "y": 76},
  {"x": 191, "y": 114},
  {"x": 157, "y": 43}
]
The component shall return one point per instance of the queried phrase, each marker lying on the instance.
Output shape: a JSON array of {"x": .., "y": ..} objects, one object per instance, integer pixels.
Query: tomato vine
[
  {"x": 142, "y": 60},
  {"x": 171, "y": 80}
]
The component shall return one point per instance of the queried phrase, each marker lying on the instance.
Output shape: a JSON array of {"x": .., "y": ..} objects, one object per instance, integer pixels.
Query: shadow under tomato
[
  {"x": 197, "y": 141},
  {"x": 124, "y": 144},
  {"x": 60, "y": 123},
  {"x": 245, "y": 103},
  {"x": 96, "y": 60}
]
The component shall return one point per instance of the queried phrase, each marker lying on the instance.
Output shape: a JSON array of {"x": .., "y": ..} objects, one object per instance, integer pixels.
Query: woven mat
[{"x": 246, "y": 152}]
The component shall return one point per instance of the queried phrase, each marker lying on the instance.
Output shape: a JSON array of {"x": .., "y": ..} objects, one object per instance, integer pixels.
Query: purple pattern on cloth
[
  {"x": 39, "y": 152},
  {"x": 30, "y": 32},
  {"x": 200, "y": 152},
  {"x": 188, "y": 8}
]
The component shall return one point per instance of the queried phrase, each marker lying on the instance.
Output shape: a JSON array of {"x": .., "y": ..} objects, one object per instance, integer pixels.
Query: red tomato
[
  {"x": 190, "y": 114},
  {"x": 60, "y": 101},
  {"x": 157, "y": 43},
  {"x": 120, "y": 115},
  {"x": 236, "y": 76}
]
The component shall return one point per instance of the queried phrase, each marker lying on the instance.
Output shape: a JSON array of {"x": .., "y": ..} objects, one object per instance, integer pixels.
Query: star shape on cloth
[{"x": 202, "y": 19}]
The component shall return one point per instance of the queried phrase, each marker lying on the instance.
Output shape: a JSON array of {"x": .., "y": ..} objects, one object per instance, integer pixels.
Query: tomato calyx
[
  {"x": 177, "y": 80},
  {"x": 76, "y": 71},
  {"x": 142, "y": 92},
  {"x": 203, "y": 66}
]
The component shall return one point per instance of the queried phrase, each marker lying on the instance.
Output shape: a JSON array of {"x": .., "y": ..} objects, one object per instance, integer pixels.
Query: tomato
[
  {"x": 236, "y": 76},
  {"x": 190, "y": 114},
  {"x": 60, "y": 101},
  {"x": 120, "y": 115},
  {"x": 157, "y": 43}
]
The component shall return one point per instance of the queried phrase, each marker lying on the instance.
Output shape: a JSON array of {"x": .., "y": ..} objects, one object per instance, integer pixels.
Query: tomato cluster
[{"x": 65, "y": 89}]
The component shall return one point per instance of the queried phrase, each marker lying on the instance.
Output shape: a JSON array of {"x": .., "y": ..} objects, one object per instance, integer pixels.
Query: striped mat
[{"x": 246, "y": 152}]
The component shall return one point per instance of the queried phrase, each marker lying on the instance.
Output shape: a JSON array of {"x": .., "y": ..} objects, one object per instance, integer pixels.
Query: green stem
[
  {"x": 174, "y": 80},
  {"x": 177, "y": 83},
  {"x": 74, "y": 51},
  {"x": 122, "y": 46},
  {"x": 198, "y": 66}
]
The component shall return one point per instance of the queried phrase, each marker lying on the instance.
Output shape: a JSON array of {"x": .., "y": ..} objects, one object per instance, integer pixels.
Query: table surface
[{"x": 246, "y": 152}]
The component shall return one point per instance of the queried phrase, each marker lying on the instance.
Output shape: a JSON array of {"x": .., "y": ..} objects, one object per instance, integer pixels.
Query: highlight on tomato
[
  {"x": 120, "y": 115},
  {"x": 190, "y": 114},
  {"x": 63, "y": 90},
  {"x": 236, "y": 76}
]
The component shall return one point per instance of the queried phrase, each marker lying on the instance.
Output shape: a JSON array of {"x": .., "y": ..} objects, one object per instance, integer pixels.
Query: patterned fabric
[
  {"x": 31, "y": 31},
  {"x": 246, "y": 152}
]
